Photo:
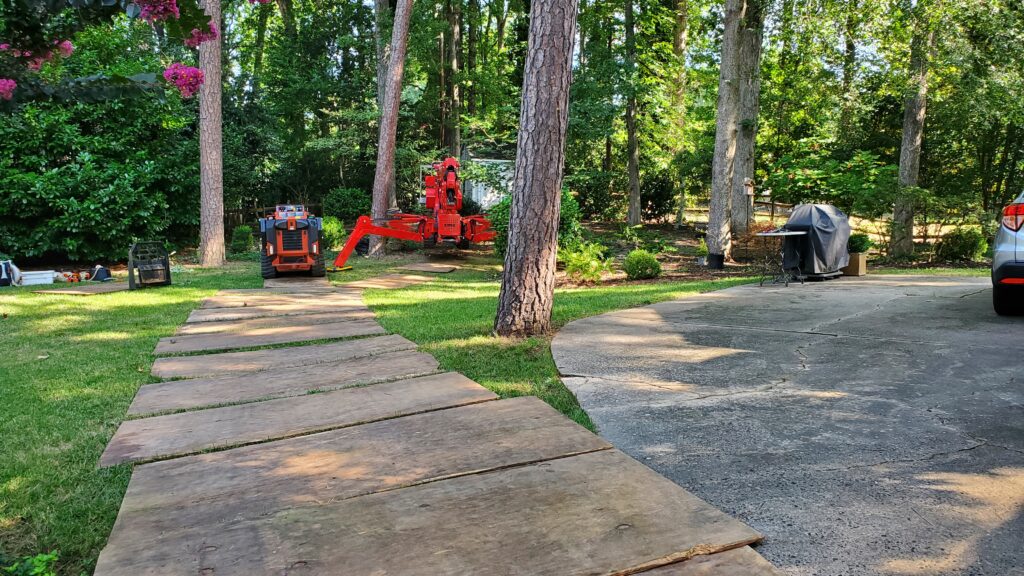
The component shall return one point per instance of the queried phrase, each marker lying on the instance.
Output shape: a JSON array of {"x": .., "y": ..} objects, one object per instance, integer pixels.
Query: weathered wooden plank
[
  {"x": 595, "y": 513},
  {"x": 191, "y": 432},
  {"x": 276, "y": 383},
  {"x": 296, "y": 282},
  {"x": 205, "y": 492},
  {"x": 278, "y": 309},
  {"x": 267, "y": 336},
  {"x": 737, "y": 562},
  {"x": 432, "y": 267},
  {"x": 390, "y": 281},
  {"x": 241, "y": 326},
  {"x": 86, "y": 289},
  {"x": 257, "y": 360},
  {"x": 266, "y": 299}
]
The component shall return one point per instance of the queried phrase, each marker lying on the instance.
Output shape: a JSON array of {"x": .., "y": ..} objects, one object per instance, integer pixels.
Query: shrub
[
  {"x": 470, "y": 207},
  {"x": 961, "y": 245},
  {"x": 241, "y": 240},
  {"x": 38, "y": 565},
  {"x": 585, "y": 261},
  {"x": 346, "y": 204},
  {"x": 641, "y": 265},
  {"x": 702, "y": 248},
  {"x": 332, "y": 234},
  {"x": 859, "y": 243},
  {"x": 569, "y": 229}
]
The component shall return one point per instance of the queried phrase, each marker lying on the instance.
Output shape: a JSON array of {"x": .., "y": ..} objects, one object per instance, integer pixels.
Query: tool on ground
[
  {"x": 290, "y": 242},
  {"x": 148, "y": 265},
  {"x": 443, "y": 226}
]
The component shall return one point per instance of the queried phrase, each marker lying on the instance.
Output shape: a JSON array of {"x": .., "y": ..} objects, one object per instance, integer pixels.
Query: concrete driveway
[{"x": 866, "y": 426}]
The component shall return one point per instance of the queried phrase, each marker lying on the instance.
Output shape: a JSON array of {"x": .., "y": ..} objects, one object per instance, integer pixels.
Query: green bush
[
  {"x": 961, "y": 245},
  {"x": 585, "y": 261},
  {"x": 332, "y": 234},
  {"x": 859, "y": 243},
  {"x": 641, "y": 265},
  {"x": 570, "y": 231},
  {"x": 702, "y": 249},
  {"x": 38, "y": 565},
  {"x": 242, "y": 240},
  {"x": 470, "y": 207},
  {"x": 347, "y": 204}
]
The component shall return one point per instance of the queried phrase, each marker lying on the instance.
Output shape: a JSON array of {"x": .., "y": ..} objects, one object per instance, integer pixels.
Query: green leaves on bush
[
  {"x": 570, "y": 231},
  {"x": 859, "y": 243},
  {"x": 961, "y": 245},
  {"x": 347, "y": 204},
  {"x": 38, "y": 565},
  {"x": 641, "y": 265},
  {"x": 242, "y": 240},
  {"x": 332, "y": 235},
  {"x": 585, "y": 261}
]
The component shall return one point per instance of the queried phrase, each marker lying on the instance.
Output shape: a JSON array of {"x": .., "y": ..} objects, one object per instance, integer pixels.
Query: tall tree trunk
[
  {"x": 915, "y": 105},
  {"x": 473, "y": 39},
  {"x": 502, "y": 18},
  {"x": 385, "y": 174},
  {"x": 454, "y": 131},
  {"x": 262, "y": 16},
  {"x": 680, "y": 37},
  {"x": 382, "y": 20},
  {"x": 295, "y": 117},
  {"x": 748, "y": 72},
  {"x": 211, "y": 165},
  {"x": 634, "y": 216},
  {"x": 719, "y": 235},
  {"x": 849, "y": 68},
  {"x": 528, "y": 284}
]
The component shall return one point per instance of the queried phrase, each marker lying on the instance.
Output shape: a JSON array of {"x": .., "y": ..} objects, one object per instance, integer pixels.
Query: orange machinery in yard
[
  {"x": 290, "y": 242},
  {"x": 444, "y": 225}
]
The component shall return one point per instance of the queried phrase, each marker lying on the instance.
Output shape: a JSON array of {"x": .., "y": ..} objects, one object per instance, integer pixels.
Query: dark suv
[{"x": 1008, "y": 261}]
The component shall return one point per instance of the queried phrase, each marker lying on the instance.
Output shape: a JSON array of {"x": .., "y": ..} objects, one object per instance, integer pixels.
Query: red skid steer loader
[{"x": 290, "y": 242}]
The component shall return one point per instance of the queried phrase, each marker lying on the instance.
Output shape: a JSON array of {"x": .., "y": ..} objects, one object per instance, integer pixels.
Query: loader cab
[{"x": 286, "y": 211}]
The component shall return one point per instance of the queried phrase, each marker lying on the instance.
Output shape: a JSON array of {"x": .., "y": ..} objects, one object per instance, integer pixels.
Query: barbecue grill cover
[{"x": 823, "y": 249}]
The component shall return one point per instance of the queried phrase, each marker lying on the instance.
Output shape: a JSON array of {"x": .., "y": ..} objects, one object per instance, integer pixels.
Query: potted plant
[
  {"x": 702, "y": 253},
  {"x": 858, "y": 246}
]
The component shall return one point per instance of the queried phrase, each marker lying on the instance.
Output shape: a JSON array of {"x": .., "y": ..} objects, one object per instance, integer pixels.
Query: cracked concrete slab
[{"x": 866, "y": 426}]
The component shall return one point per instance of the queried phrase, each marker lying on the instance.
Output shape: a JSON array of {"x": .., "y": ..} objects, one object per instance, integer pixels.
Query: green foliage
[
  {"x": 651, "y": 240},
  {"x": 38, "y": 565},
  {"x": 332, "y": 234},
  {"x": 242, "y": 240},
  {"x": 470, "y": 207},
  {"x": 702, "y": 248},
  {"x": 641, "y": 265},
  {"x": 570, "y": 230},
  {"x": 585, "y": 261},
  {"x": 859, "y": 243},
  {"x": 961, "y": 245},
  {"x": 347, "y": 204}
]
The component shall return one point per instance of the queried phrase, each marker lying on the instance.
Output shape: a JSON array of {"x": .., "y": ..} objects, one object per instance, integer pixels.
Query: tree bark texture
[
  {"x": 634, "y": 215},
  {"x": 384, "y": 178},
  {"x": 680, "y": 39},
  {"x": 748, "y": 72},
  {"x": 471, "y": 54},
  {"x": 382, "y": 19},
  {"x": 211, "y": 163},
  {"x": 915, "y": 105},
  {"x": 528, "y": 283},
  {"x": 454, "y": 131},
  {"x": 726, "y": 123}
]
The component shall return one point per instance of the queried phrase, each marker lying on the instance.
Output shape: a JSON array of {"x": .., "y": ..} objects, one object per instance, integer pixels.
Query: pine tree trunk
[
  {"x": 382, "y": 19},
  {"x": 849, "y": 69},
  {"x": 748, "y": 72},
  {"x": 528, "y": 284},
  {"x": 471, "y": 54},
  {"x": 384, "y": 178},
  {"x": 211, "y": 167},
  {"x": 680, "y": 37},
  {"x": 454, "y": 131},
  {"x": 634, "y": 216},
  {"x": 719, "y": 234},
  {"x": 915, "y": 105}
]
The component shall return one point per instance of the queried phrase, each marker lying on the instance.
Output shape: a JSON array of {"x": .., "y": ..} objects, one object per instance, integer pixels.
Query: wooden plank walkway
[{"x": 389, "y": 468}]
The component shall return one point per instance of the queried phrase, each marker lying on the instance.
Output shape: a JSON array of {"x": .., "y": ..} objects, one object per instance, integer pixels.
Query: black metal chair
[{"x": 148, "y": 265}]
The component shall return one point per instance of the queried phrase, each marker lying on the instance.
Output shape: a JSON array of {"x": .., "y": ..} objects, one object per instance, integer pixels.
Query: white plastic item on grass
[{"x": 37, "y": 277}]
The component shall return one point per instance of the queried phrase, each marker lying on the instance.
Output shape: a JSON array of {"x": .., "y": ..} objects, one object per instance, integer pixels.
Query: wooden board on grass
[
  {"x": 268, "y": 336},
  {"x": 160, "y": 437},
  {"x": 390, "y": 281},
  {"x": 594, "y": 513},
  {"x": 433, "y": 267},
  {"x": 339, "y": 297},
  {"x": 86, "y": 289},
  {"x": 275, "y": 309},
  {"x": 241, "y": 326},
  {"x": 737, "y": 562},
  {"x": 294, "y": 357},
  {"x": 206, "y": 392}
]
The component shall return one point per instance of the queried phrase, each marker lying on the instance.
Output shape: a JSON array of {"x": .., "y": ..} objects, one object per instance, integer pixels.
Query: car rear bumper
[{"x": 1009, "y": 273}]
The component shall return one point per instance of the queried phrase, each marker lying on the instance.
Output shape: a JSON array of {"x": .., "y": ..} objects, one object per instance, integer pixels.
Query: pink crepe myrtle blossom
[
  {"x": 7, "y": 87},
  {"x": 186, "y": 78},
  {"x": 66, "y": 48},
  {"x": 197, "y": 37},
  {"x": 156, "y": 10}
]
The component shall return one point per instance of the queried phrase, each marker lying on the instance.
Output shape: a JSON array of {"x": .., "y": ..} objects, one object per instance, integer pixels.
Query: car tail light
[
  {"x": 1013, "y": 216},
  {"x": 1012, "y": 281}
]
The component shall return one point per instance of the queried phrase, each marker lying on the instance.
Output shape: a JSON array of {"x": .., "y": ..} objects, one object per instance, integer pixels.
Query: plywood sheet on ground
[
  {"x": 174, "y": 505},
  {"x": 390, "y": 281},
  {"x": 311, "y": 306},
  {"x": 340, "y": 297},
  {"x": 206, "y": 392},
  {"x": 87, "y": 289},
  {"x": 738, "y": 562},
  {"x": 191, "y": 432},
  {"x": 434, "y": 267},
  {"x": 595, "y": 513},
  {"x": 242, "y": 326},
  {"x": 297, "y": 282},
  {"x": 257, "y": 360},
  {"x": 268, "y": 336}
]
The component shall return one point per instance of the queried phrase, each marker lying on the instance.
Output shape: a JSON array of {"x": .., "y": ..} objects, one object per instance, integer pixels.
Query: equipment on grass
[
  {"x": 443, "y": 226},
  {"x": 148, "y": 265},
  {"x": 290, "y": 242}
]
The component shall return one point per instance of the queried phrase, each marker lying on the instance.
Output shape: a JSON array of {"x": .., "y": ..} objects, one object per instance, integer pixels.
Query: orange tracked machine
[{"x": 443, "y": 226}]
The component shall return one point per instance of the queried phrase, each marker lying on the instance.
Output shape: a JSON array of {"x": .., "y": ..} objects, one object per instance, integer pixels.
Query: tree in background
[
  {"x": 211, "y": 162},
  {"x": 528, "y": 284},
  {"x": 748, "y": 74}
]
